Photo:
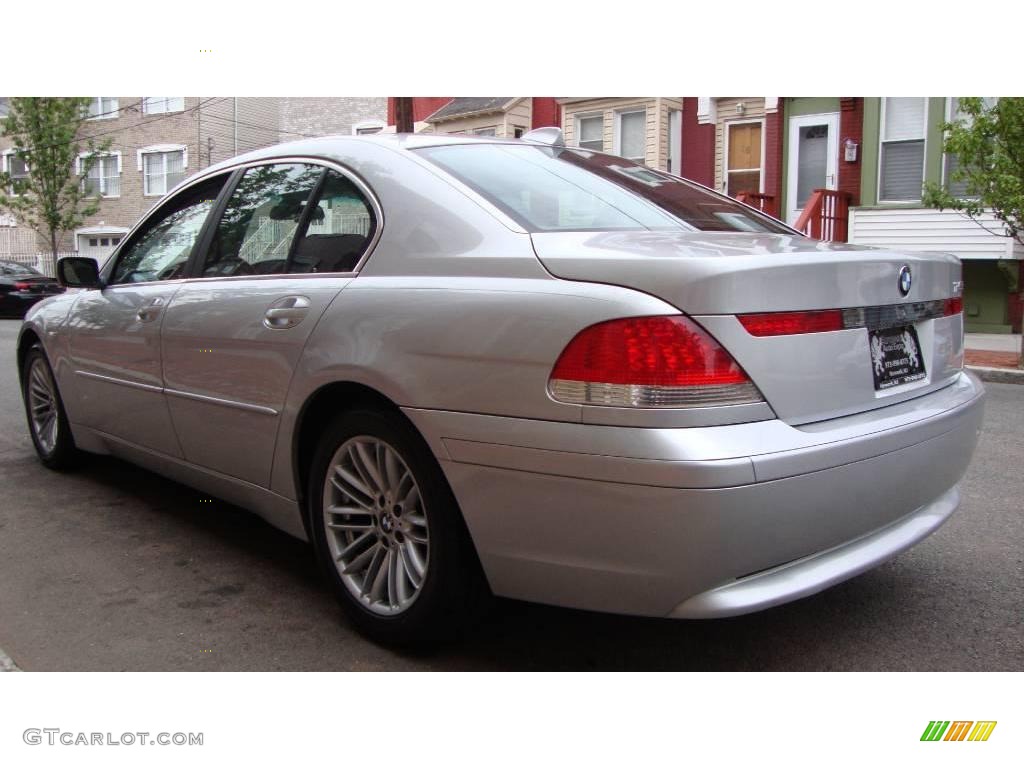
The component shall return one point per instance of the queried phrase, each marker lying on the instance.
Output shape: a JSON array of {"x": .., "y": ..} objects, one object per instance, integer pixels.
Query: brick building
[{"x": 157, "y": 141}]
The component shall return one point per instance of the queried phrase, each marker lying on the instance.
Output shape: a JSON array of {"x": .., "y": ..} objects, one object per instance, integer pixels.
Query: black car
[{"x": 21, "y": 286}]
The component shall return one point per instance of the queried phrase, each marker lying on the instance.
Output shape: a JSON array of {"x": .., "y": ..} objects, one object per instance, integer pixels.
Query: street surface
[{"x": 115, "y": 568}]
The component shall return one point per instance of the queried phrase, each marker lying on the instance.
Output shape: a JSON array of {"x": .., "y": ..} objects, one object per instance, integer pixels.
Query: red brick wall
[
  {"x": 422, "y": 107},
  {"x": 698, "y": 146},
  {"x": 851, "y": 126},
  {"x": 546, "y": 112}
]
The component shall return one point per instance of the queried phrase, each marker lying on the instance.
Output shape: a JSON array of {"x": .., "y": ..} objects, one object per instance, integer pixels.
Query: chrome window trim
[{"x": 363, "y": 187}]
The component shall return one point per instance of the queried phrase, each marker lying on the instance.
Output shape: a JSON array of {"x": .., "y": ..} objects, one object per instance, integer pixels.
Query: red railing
[
  {"x": 764, "y": 203},
  {"x": 826, "y": 216}
]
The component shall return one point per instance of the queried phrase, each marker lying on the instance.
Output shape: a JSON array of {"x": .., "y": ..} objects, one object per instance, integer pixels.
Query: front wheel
[
  {"x": 389, "y": 533},
  {"x": 47, "y": 421}
]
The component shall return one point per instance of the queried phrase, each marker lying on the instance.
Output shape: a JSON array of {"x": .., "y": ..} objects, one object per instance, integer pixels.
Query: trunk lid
[{"x": 714, "y": 276}]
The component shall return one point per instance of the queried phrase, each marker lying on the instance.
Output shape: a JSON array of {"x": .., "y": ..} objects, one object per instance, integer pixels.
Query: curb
[{"x": 1000, "y": 375}]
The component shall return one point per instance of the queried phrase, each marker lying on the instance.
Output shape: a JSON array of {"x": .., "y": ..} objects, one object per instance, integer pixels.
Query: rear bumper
[{"x": 702, "y": 522}]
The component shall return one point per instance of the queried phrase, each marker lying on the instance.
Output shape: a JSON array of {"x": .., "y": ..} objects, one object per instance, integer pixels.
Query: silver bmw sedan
[{"x": 466, "y": 366}]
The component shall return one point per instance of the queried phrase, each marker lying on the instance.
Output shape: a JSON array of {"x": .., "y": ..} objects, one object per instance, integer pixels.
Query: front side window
[
  {"x": 569, "y": 189},
  {"x": 590, "y": 132},
  {"x": 104, "y": 177},
  {"x": 102, "y": 107},
  {"x": 633, "y": 135},
  {"x": 255, "y": 234},
  {"x": 158, "y": 105},
  {"x": 162, "y": 171},
  {"x": 161, "y": 248},
  {"x": 902, "y": 150}
]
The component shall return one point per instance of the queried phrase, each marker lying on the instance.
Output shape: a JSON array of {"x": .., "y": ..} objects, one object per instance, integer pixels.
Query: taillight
[
  {"x": 790, "y": 323},
  {"x": 954, "y": 306},
  {"x": 649, "y": 362},
  {"x": 22, "y": 286}
]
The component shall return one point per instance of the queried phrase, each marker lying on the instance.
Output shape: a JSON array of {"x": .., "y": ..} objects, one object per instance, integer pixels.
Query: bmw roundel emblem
[{"x": 905, "y": 280}]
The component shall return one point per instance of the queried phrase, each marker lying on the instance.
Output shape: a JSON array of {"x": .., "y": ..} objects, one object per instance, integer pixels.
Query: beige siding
[
  {"x": 726, "y": 113},
  {"x": 503, "y": 123},
  {"x": 657, "y": 109},
  {"x": 927, "y": 229},
  {"x": 519, "y": 116}
]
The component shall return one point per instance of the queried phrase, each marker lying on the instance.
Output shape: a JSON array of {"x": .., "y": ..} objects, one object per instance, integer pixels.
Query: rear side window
[
  {"x": 337, "y": 231},
  {"x": 255, "y": 232},
  {"x": 570, "y": 189}
]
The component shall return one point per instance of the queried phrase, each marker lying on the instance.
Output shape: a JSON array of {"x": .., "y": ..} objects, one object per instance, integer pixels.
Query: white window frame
[
  {"x": 117, "y": 154},
  {"x": 156, "y": 149},
  {"x": 725, "y": 153},
  {"x": 950, "y": 115},
  {"x": 362, "y": 126},
  {"x": 105, "y": 114},
  {"x": 579, "y": 118},
  {"x": 881, "y": 144},
  {"x": 617, "y": 132},
  {"x": 147, "y": 105},
  {"x": 6, "y": 166}
]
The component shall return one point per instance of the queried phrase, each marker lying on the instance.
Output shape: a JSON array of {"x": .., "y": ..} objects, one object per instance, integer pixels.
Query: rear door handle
[
  {"x": 151, "y": 310},
  {"x": 286, "y": 313}
]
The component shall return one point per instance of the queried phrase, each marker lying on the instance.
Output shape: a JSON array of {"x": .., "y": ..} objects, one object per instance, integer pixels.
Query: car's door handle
[
  {"x": 151, "y": 310},
  {"x": 286, "y": 313}
]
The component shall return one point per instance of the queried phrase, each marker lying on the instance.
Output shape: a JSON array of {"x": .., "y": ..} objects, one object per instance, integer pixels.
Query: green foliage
[
  {"x": 47, "y": 137},
  {"x": 989, "y": 145}
]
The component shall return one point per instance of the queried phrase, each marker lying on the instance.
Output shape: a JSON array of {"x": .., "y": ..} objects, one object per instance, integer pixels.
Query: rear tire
[
  {"x": 47, "y": 420},
  {"x": 392, "y": 542}
]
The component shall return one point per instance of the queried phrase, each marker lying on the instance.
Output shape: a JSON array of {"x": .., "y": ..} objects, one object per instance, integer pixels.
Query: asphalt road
[{"x": 115, "y": 568}]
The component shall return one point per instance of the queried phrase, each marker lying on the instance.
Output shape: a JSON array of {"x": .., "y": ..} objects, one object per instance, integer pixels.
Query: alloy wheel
[
  {"x": 376, "y": 525},
  {"x": 42, "y": 402}
]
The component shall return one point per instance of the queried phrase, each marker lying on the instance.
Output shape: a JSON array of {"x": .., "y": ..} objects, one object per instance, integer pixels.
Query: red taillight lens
[
  {"x": 954, "y": 306},
  {"x": 21, "y": 286},
  {"x": 791, "y": 323},
  {"x": 649, "y": 362}
]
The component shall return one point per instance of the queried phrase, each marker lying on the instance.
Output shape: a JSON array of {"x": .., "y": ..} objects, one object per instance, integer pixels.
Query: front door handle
[
  {"x": 151, "y": 310},
  {"x": 286, "y": 313}
]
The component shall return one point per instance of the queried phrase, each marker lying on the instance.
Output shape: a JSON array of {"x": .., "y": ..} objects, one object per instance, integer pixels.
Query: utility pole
[{"x": 403, "y": 114}]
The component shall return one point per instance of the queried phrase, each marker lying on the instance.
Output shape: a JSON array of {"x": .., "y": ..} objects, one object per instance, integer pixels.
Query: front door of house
[{"x": 813, "y": 159}]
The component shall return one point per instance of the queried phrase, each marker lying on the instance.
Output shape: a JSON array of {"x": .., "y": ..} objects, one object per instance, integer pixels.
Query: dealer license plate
[{"x": 895, "y": 357}]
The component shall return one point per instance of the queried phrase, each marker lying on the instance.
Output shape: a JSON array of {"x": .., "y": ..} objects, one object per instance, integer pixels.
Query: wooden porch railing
[
  {"x": 826, "y": 216},
  {"x": 764, "y": 203}
]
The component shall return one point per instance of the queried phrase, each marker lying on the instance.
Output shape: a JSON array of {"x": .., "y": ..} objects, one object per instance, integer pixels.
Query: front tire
[
  {"x": 388, "y": 532},
  {"x": 44, "y": 409}
]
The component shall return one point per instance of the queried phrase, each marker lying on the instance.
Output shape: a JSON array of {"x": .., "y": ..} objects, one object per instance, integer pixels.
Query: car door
[
  {"x": 233, "y": 335},
  {"x": 115, "y": 331}
]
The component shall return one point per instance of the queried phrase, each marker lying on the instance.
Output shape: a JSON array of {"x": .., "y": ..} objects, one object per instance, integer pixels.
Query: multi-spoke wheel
[
  {"x": 377, "y": 527},
  {"x": 47, "y": 421},
  {"x": 388, "y": 530}
]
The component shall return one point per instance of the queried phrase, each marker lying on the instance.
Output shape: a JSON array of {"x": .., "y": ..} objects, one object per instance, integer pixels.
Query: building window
[
  {"x": 632, "y": 135},
  {"x": 104, "y": 178},
  {"x": 367, "y": 127},
  {"x": 743, "y": 172},
  {"x": 950, "y": 161},
  {"x": 102, "y": 107},
  {"x": 162, "y": 168},
  {"x": 486, "y": 131},
  {"x": 17, "y": 168},
  {"x": 590, "y": 132},
  {"x": 902, "y": 151},
  {"x": 158, "y": 105}
]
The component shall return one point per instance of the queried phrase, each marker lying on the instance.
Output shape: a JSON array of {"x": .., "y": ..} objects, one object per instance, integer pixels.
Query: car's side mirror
[{"x": 78, "y": 272}]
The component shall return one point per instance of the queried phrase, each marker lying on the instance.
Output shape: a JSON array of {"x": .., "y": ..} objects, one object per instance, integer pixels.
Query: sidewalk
[
  {"x": 993, "y": 342},
  {"x": 994, "y": 356}
]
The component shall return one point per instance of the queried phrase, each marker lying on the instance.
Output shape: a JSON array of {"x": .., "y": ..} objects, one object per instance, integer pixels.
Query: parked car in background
[
  {"x": 21, "y": 286},
  {"x": 457, "y": 364}
]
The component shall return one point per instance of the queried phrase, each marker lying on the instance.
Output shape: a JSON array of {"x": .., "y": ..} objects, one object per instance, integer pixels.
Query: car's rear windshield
[{"x": 558, "y": 189}]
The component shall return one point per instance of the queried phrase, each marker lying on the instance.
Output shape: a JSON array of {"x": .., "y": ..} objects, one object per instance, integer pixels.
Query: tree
[
  {"x": 988, "y": 143},
  {"x": 47, "y": 133}
]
